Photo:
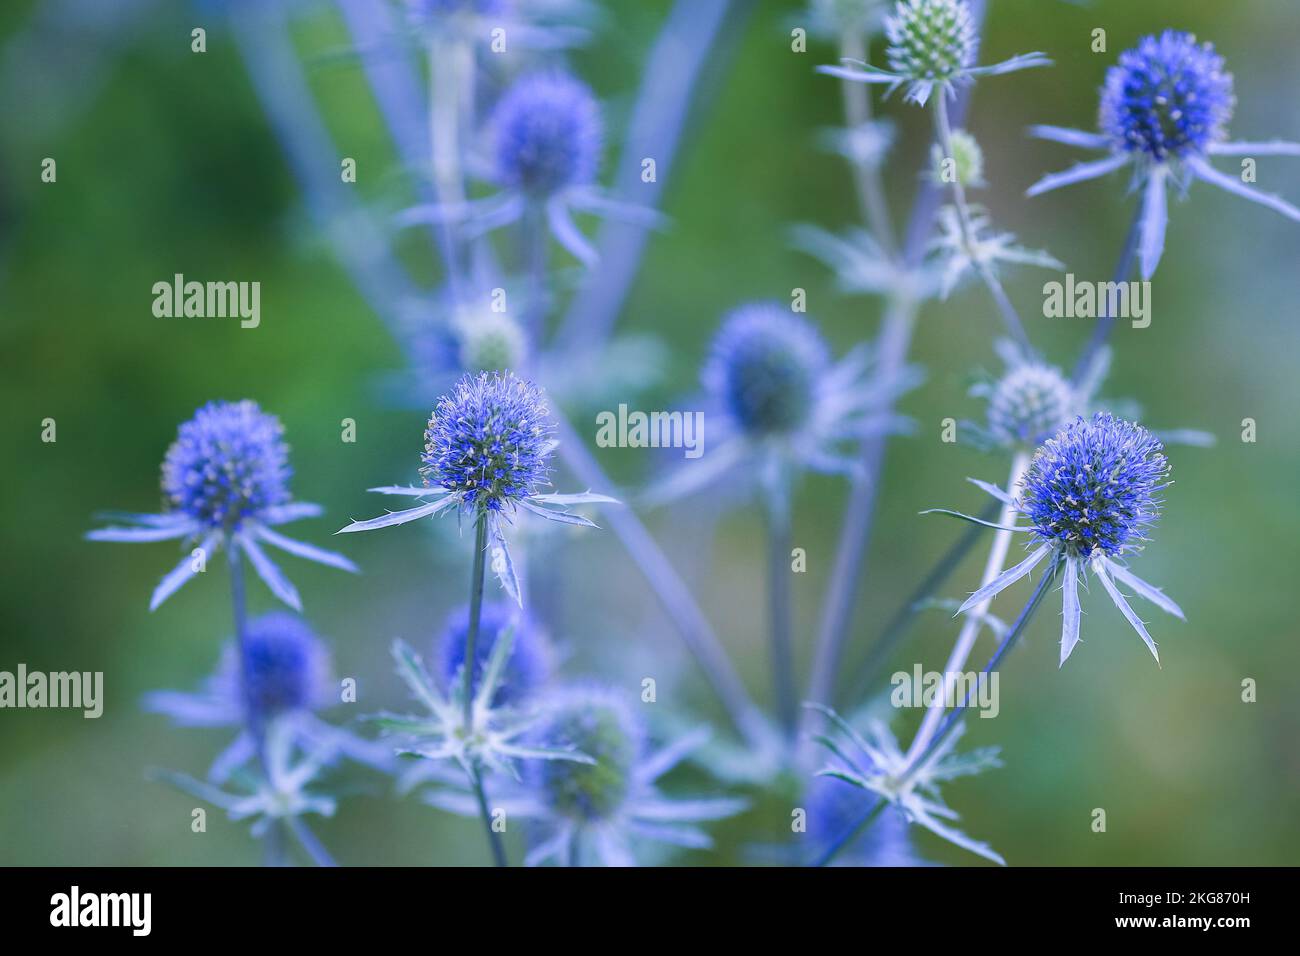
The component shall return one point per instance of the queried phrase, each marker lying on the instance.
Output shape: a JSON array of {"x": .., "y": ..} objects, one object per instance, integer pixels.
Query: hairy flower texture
[
  {"x": 528, "y": 668},
  {"x": 225, "y": 480},
  {"x": 778, "y": 404},
  {"x": 546, "y": 134},
  {"x": 1164, "y": 111},
  {"x": 1090, "y": 494},
  {"x": 873, "y": 762},
  {"x": 608, "y": 812},
  {"x": 280, "y": 795},
  {"x": 1031, "y": 401},
  {"x": 288, "y": 681},
  {"x": 487, "y": 450},
  {"x": 932, "y": 45}
]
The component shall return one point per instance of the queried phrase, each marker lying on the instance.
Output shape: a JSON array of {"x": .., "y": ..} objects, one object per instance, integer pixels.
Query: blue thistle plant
[
  {"x": 225, "y": 483},
  {"x": 873, "y": 762},
  {"x": 528, "y": 668},
  {"x": 834, "y": 810},
  {"x": 1089, "y": 495},
  {"x": 933, "y": 45},
  {"x": 778, "y": 405},
  {"x": 608, "y": 810},
  {"x": 487, "y": 451},
  {"x": 287, "y": 679},
  {"x": 1164, "y": 111}
]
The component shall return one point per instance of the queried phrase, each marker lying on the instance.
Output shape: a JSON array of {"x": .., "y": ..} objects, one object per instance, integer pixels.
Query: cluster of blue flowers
[{"x": 495, "y": 725}]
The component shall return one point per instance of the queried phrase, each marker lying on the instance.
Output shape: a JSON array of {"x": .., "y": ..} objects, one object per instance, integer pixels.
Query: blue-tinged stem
[
  {"x": 533, "y": 243},
  {"x": 310, "y": 842},
  {"x": 1106, "y": 321},
  {"x": 1013, "y": 635},
  {"x": 494, "y": 838},
  {"x": 779, "y": 614},
  {"x": 866, "y": 176},
  {"x": 851, "y": 834}
]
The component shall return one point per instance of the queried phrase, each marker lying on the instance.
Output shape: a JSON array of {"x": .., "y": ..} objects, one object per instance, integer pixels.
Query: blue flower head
[
  {"x": 228, "y": 463},
  {"x": 1168, "y": 96},
  {"x": 1164, "y": 111},
  {"x": 599, "y": 724},
  {"x": 1094, "y": 486},
  {"x": 834, "y": 809},
  {"x": 547, "y": 133},
  {"x": 526, "y": 670},
  {"x": 765, "y": 368},
  {"x": 489, "y": 441},
  {"x": 287, "y": 666},
  {"x": 225, "y": 480},
  {"x": 1089, "y": 495}
]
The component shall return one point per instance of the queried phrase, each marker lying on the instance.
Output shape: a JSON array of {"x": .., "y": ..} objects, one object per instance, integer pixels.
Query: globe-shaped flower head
[
  {"x": 1029, "y": 403},
  {"x": 527, "y": 668},
  {"x": 488, "y": 341},
  {"x": 931, "y": 40},
  {"x": 287, "y": 666},
  {"x": 765, "y": 369},
  {"x": 489, "y": 441},
  {"x": 1167, "y": 97},
  {"x": 547, "y": 134},
  {"x": 228, "y": 463},
  {"x": 1093, "y": 487},
  {"x": 600, "y": 725}
]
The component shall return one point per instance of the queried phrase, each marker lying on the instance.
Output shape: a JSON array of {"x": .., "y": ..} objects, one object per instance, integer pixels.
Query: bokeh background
[{"x": 166, "y": 164}]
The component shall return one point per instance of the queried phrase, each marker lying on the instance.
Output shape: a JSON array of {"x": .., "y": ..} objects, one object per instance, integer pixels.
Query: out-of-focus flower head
[{"x": 529, "y": 666}]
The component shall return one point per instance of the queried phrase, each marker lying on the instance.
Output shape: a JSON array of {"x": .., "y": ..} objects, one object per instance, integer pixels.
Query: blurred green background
[{"x": 166, "y": 164}]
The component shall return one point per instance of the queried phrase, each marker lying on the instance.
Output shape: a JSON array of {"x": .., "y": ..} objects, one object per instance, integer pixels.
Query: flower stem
[
  {"x": 494, "y": 838},
  {"x": 866, "y": 175},
  {"x": 778, "y": 585},
  {"x": 475, "y": 615},
  {"x": 1106, "y": 322},
  {"x": 309, "y": 841},
  {"x": 852, "y": 832},
  {"x": 1010, "y": 318},
  {"x": 974, "y": 618}
]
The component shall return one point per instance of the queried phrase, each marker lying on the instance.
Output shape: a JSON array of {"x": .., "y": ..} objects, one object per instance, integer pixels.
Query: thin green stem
[{"x": 866, "y": 175}]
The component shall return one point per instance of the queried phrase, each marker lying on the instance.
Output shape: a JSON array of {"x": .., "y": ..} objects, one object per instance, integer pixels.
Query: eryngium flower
[
  {"x": 932, "y": 43},
  {"x": 225, "y": 480},
  {"x": 1089, "y": 495},
  {"x": 1164, "y": 109},
  {"x": 528, "y": 668},
  {"x": 228, "y": 463},
  {"x": 547, "y": 134},
  {"x": 1032, "y": 400},
  {"x": 487, "y": 449},
  {"x": 765, "y": 368},
  {"x": 288, "y": 681},
  {"x": 607, "y": 811}
]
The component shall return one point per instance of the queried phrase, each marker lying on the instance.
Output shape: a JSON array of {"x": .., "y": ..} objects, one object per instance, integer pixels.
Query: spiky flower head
[
  {"x": 598, "y": 723},
  {"x": 547, "y": 131},
  {"x": 1029, "y": 403},
  {"x": 931, "y": 40},
  {"x": 286, "y": 666},
  {"x": 488, "y": 341},
  {"x": 765, "y": 368},
  {"x": 228, "y": 463},
  {"x": 528, "y": 666},
  {"x": 967, "y": 160},
  {"x": 1168, "y": 96},
  {"x": 1093, "y": 488},
  {"x": 489, "y": 441}
]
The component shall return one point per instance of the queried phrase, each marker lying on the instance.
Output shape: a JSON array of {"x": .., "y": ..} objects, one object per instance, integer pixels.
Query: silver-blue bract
[
  {"x": 225, "y": 479},
  {"x": 1164, "y": 111}
]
